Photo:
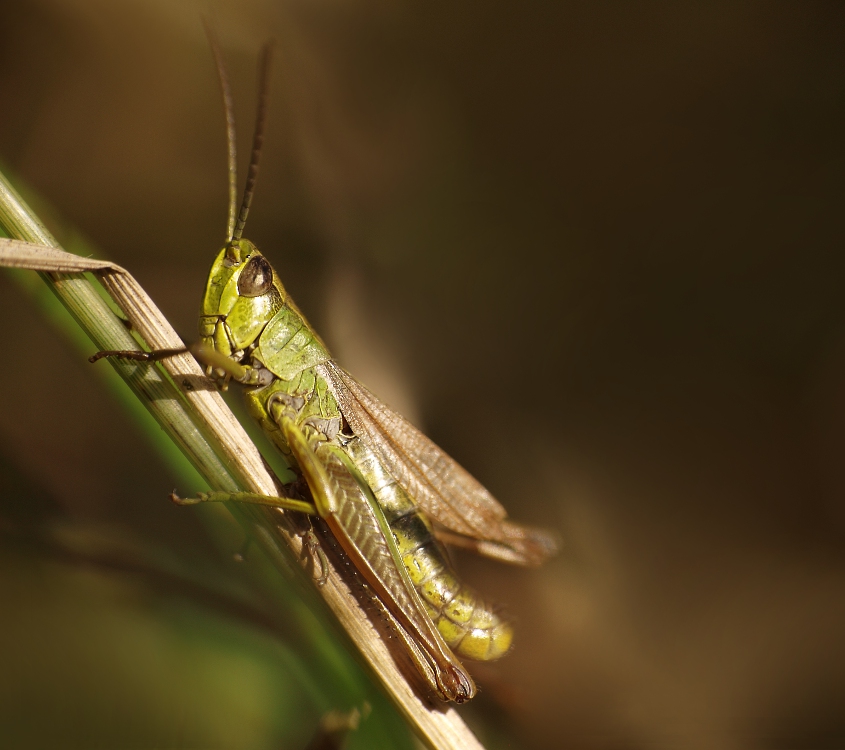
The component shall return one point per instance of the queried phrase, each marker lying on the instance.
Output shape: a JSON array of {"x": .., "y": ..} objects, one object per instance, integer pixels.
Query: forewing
[{"x": 446, "y": 491}]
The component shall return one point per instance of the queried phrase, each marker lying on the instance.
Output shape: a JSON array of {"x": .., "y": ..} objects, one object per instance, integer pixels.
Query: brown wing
[{"x": 446, "y": 491}]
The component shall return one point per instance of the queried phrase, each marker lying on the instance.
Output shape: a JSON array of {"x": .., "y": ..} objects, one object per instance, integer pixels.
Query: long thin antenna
[
  {"x": 229, "y": 108},
  {"x": 258, "y": 137}
]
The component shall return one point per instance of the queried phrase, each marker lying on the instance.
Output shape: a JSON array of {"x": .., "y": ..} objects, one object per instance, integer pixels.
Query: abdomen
[{"x": 470, "y": 625}]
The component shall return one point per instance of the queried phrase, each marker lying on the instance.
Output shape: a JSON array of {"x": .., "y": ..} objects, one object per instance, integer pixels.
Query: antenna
[
  {"x": 229, "y": 109},
  {"x": 258, "y": 136}
]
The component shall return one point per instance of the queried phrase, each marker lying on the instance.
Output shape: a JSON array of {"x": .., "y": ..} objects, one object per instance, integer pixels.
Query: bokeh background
[{"x": 594, "y": 249}]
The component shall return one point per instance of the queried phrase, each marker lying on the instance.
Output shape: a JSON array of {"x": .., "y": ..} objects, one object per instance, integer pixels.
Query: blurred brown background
[{"x": 594, "y": 249}]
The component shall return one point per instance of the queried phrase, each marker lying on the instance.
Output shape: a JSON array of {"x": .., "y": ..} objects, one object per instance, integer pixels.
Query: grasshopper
[{"x": 387, "y": 493}]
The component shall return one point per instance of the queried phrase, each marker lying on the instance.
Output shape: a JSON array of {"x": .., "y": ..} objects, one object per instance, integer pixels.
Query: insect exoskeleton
[
  {"x": 388, "y": 494},
  {"x": 247, "y": 314}
]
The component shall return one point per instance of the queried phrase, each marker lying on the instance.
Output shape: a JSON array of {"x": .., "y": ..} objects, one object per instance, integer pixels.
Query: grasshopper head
[{"x": 241, "y": 296}]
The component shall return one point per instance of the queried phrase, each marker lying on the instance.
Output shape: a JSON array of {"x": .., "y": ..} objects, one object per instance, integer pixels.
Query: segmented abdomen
[{"x": 471, "y": 626}]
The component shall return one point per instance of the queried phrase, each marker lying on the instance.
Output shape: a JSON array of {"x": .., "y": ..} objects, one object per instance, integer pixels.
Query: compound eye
[{"x": 256, "y": 278}]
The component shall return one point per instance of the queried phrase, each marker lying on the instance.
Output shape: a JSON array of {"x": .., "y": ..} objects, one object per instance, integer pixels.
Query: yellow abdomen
[{"x": 471, "y": 626}]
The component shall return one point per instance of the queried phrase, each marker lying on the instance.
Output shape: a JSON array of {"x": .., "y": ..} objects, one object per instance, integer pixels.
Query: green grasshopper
[{"x": 388, "y": 494}]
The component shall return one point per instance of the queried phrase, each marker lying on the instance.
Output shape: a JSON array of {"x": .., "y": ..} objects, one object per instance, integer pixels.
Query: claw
[{"x": 200, "y": 498}]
